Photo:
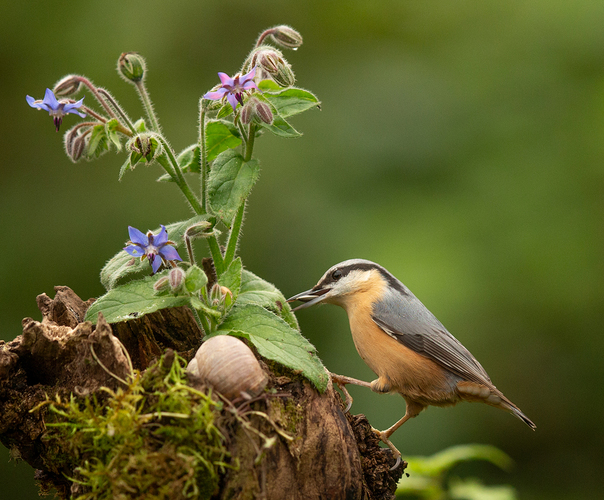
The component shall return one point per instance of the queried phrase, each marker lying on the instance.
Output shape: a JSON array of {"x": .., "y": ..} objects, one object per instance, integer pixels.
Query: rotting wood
[{"x": 332, "y": 454}]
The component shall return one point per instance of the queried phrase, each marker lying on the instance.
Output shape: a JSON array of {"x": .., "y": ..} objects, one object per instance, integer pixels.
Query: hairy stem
[
  {"x": 249, "y": 144},
  {"x": 217, "y": 256},
  {"x": 144, "y": 95},
  {"x": 229, "y": 255},
  {"x": 118, "y": 109},
  {"x": 170, "y": 165},
  {"x": 201, "y": 321},
  {"x": 92, "y": 113},
  {"x": 203, "y": 156},
  {"x": 189, "y": 249},
  {"x": 97, "y": 95},
  {"x": 263, "y": 35}
]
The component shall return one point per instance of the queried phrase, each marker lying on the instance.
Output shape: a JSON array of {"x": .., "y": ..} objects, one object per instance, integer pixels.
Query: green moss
[
  {"x": 154, "y": 439},
  {"x": 288, "y": 413}
]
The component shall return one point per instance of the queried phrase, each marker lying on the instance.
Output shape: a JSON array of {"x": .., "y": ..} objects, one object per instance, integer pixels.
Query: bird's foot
[
  {"x": 384, "y": 439},
  {"x": 341, "y": 381}
]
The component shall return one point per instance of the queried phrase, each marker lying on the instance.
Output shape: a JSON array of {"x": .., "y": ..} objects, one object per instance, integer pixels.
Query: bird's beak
[{"x": 309, "y": 297}]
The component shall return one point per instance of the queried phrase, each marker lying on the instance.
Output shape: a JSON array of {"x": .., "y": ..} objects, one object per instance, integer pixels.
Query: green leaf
[
  {"x": 140, "y": 126},
  {"x": 188, "y": 159},
  {"x": 195, "y": 279},
  {"x": 135, "y": 158},
  {"x": 123, "y": 265},
  {"x": 276, "y": 340},
  {"x": 279, "y": 126},
  {"x": 231, "y": 278},
  {"x": 204, "y": 309},
  {"x": 111, "y": 129},
  {"x": 230, "y": 183},
  {"x": 225, "y": 111},
  {"x": 473, "y": 489},
  {"x": 292, "y": 101},
  {"x": 441, "y": 462},
  {"x": 133, "y": 300},
  {"x": 268, "y": 85},
  {"x": 255, "y": 290},
  {"x": 219, "y": 138},
  {"x": 99, "y": 143},
  {"x": 125, "y": 166}
]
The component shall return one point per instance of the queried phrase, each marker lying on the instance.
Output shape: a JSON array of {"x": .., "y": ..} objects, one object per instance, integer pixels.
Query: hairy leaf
[
  {"x": 276, "y": 340},
  {"x": 230, "y": 183},
  {"x": 279, "y": 126},
  {"x": 292, "y": 101},
  {"x": 133, "y": 300},
  {"x": 231, "y": 278},
  {"x": 99, "y": 143},
  {"x": 219, "y": 138},
  {"x": 255, "y": 290}
]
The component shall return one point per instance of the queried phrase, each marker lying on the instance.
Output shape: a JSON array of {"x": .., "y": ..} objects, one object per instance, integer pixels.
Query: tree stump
[{"x": 316, "y": 450}]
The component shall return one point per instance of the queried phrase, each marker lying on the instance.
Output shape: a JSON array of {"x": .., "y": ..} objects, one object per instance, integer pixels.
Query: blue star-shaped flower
[
  {"x": 233, "y": 88},
  {"x": 151, "y": 246},
  {"x": 56, "y": 109}
]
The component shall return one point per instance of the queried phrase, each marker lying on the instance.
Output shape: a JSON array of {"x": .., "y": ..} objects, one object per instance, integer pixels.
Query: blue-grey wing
[{"x": 414, "y": 326}]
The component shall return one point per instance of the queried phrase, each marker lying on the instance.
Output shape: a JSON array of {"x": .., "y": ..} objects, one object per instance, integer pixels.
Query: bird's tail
[{"x": 514, "y": 410}]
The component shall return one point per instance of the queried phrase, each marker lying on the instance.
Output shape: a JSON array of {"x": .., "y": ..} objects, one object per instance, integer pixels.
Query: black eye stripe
[{"x": 363, "y": 266}]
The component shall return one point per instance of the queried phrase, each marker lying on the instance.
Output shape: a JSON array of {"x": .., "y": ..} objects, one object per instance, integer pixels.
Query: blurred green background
[{"x": 460, "y": 145}]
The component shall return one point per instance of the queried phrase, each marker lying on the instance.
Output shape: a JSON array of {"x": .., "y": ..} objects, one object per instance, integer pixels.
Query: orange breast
[{"x": 405, "y": 371}]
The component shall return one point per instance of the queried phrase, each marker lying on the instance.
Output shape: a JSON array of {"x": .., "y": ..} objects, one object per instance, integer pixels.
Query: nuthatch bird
[{"x": 409, "y": 350}]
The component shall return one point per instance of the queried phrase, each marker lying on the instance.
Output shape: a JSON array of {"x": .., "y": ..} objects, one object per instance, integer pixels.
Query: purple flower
[
  {"x": 56, "y": 109},
  {"x": 151, "y": 246},
  {"x": 233, "y": 88}
]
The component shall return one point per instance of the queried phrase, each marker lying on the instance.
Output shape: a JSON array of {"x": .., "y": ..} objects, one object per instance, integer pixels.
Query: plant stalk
[
  {"x": 229, "y": 255},
  {"x": 203, "y": 154},
  {"x": 118, "y": 108},
  {"x": 170, "y": 165},
  {"x": 249, "y": 144},
  {"x": 144, "y": 95}
]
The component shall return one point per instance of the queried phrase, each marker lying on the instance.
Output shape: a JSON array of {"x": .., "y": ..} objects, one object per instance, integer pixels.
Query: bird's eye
[{"x": 336, "y": 275}]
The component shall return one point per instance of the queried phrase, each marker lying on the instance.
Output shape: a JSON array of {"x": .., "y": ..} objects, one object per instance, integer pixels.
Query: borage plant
[{"x": 151, "y": 273}]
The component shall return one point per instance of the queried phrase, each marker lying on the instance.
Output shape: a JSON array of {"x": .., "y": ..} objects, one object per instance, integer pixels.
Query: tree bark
[{"x": 332, "y": 454}]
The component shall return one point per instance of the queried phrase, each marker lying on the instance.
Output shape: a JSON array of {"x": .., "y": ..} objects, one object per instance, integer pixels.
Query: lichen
[{"x": 116, "y": 444}]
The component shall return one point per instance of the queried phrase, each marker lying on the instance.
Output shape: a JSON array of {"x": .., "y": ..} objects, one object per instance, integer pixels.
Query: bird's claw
[
  {"x": 384, "y": 439},
  {"x": 342, "y": 386},
  {"x": 347, "y": 396}
]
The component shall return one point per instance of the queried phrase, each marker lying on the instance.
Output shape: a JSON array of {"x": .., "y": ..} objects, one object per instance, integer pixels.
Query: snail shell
[{"x": 228, "y": 365}]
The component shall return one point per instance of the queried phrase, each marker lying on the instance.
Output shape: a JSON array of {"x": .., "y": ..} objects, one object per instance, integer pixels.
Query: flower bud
[
  {"x": 286, "y": 37},
  {"x": 76, "y": 142},
  {"x": 285, "y": 76},
  {"x": 246, "y": 112},
  {"x": 227, "y": 296},
  {"x": 161, "y": 284},
  {"x": 220, "y": 295},
  {"x": 199, "y": 229},
  {"x": 270, "y": 63},
  {"x": 263, "y": 112},
  {"x": 131, "y": 67},
  {"x": 176, "y": 276},
  {"x": 145, "y": 145},
  {"x": 67, "y": 86},
  {"x": 215, "y": 294}
]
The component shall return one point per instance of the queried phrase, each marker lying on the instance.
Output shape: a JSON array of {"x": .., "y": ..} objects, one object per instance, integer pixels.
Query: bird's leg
[
  {"x": 384, "y": 438},
  {"x": 413, "y": 409},
  {"x": 341, "y": 381}
]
